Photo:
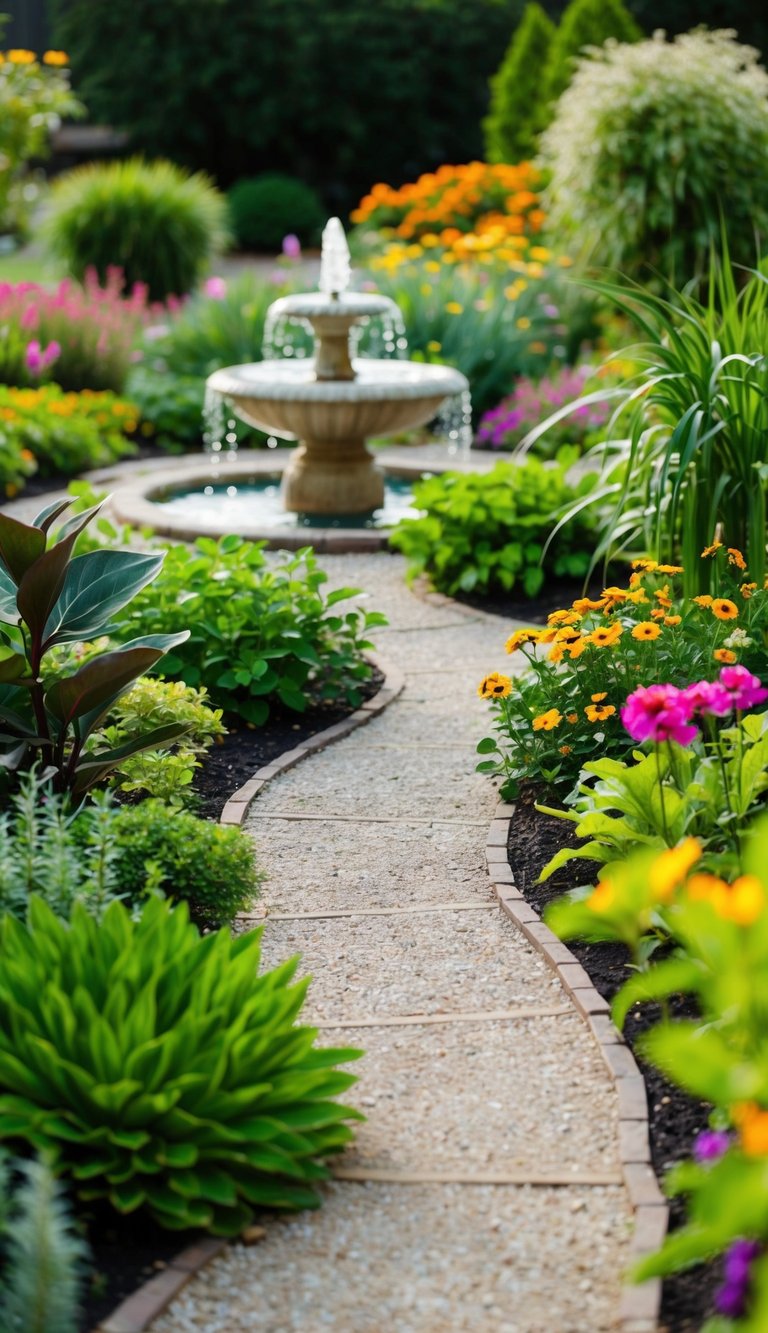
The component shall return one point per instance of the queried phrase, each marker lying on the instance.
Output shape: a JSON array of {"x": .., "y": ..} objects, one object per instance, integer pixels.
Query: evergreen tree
[
  {"x": 585, "y": 23},
  {"x": 513, "y": 120}
]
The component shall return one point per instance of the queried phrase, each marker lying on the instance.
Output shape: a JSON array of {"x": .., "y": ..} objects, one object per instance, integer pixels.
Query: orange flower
[
  {"x": 724, "y": 609},
  {"x": 495, "y": 686},
  {"x": 584, "y": 604},
  {"x": 571, "y": 717},
  {"x": 563, "y": 617},
  {"x": 747, "y": 589},
  {"x": 520, "y": 637},
  {"x": 646, "y": 631},
  {"x": 752, "y": 1123},
  {"x": 671, "y": 867},
  {"x": 663, "y": 598},
  {"x": 710, "y": 550},
  {"x": 725, "y": 656},
  {"x": 672, "y": 620},
  {"x": 602, "y": 897},
  {"x": 648, "y": 566},
  {"x": 598, "y": 698},
  {"x": 55, "y": 58},
  {"x": 547, "y": 721},
  {"x": 670, "y": 569},
  {"x": 704, "y": 600},
  {"x": 599, "y": 712},
  {"x": 606, "y": 636},
  {"x": 736, "y": 558},
  {"x": 565, "y": 749}
]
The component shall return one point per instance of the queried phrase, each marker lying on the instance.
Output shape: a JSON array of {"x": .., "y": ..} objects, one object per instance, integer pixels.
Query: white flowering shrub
[{"x": 655, "y": 145}]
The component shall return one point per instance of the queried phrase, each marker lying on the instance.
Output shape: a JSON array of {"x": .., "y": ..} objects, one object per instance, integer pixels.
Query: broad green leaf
[{"x": 96, "y": 587}]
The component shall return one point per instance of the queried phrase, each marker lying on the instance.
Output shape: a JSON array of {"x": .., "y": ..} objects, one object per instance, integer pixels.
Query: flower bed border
[
  {"x": 136, "y": 1312},
  {"x": 640, "y": 1306}
]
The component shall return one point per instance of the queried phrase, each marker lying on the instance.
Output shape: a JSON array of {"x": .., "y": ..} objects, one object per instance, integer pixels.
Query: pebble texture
[{"x": 403, "y": 821}]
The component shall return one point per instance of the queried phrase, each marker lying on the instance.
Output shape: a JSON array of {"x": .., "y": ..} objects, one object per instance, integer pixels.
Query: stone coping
[
  {"x": 385, "y": 380},
  {"x": 640, "y": 1305},
  {"x": 138, "y": 1311}
]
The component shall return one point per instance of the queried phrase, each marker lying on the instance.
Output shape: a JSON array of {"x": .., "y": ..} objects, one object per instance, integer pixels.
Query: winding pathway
[{"x": 481, "y": 1084}]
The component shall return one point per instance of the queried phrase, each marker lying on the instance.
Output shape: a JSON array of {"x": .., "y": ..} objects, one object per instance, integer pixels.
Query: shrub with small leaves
[
  {"x": 43, "y": 1258},
  {"x": 160, "y": 1070}
]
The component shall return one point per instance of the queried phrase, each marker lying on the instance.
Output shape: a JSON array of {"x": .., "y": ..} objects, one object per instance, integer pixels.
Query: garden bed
[{"x": 674, "y": 1118}]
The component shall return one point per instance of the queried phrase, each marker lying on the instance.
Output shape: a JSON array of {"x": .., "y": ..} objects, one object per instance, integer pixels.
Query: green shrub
[
  {"x": 512, "y": 125},
  {"x": 43, "y": 1258},
  {"x": 585, "y": 23},
  {"x": 48, "y": 600},
  {"x": 159, "y": 1070},
  {"x": 401, "y": 64},
  {"x": 157, "y": 223},
  {"x": 649, "y": 141},
  {"x": 266, "y": 208},
  {"x": 34, "y": 97},
  {"x": 485, "y": 531},
  {"x": 256, "y": 633},
  {"x": 207, "y": 865}
]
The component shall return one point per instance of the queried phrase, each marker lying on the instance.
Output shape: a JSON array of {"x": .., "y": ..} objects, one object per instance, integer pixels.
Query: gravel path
[{"x": 477, "y": 1067}]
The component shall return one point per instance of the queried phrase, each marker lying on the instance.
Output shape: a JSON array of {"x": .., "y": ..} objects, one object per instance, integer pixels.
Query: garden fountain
[
  {"x": 329, "y": 403},
  {"x": 332, "y": 403}
]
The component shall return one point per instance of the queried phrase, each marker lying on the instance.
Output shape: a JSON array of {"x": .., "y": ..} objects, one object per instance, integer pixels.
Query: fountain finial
[{"x": 334, "y": 259}]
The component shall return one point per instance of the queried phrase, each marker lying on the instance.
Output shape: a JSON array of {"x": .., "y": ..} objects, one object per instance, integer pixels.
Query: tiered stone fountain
[{"x": 332, "y": 403}]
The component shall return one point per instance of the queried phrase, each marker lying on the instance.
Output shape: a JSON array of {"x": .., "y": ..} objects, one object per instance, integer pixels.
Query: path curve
[{"x": 484, "y": 1191}]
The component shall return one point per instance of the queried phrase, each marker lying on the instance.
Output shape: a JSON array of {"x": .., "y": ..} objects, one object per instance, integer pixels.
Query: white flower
[{"x": 738, "y": 638}]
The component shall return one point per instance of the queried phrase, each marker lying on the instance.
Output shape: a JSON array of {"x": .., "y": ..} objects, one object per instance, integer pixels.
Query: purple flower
[
  {"x": 291, "y": 246},
  {"x": 731, "y": 1299},
  {"x": 215, "y": 288},
  {"x": 711, "y": 1144}
]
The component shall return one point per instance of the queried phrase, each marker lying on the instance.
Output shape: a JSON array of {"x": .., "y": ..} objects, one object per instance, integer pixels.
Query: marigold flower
[
  {"x": 745, "y": 901},
  {"x": 598, "y": 698},
  {"x": 736, "y": 558},
  {"x": 672, "y": 620},
  {"x": 710, "y": 550},
  {"x": 599, "y": 712},
  {"x": 670, "y": 569},
  {"x": 704, "y": 600},
  {"x": 646, "y": 631},
  {"x": 548, "y": 635},
  {"x": 746, "y": 590},
  {"x": 547, "y": 721},
  {"x": 606, "y": 636},
  {"x": 55, "y": 58},
  {"x": 724, "y": 609},
  {"x": 21, "y": 57},
  {"x": 495, "y": 686},
  {"x": 520, "y": 637},
  {"x": 671, "y": 867},
  {"x": 725, "y": 656},
  {"x": 752, "y": 1123}
]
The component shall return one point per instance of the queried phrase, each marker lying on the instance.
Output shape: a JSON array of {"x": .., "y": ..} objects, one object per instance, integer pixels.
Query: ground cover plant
[
  {"x": 591, "y": 655},
  {"x": 52, "y": 433},
  {"x": 484, "y": 531},
  {"x": 199, "y": 1099},
  {"x": 160, "y": 225}
]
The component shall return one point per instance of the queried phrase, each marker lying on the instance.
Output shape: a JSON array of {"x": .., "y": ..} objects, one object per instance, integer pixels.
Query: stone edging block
[
  {"x": 640, "y": 1305},
  {"x": 137, "y": 1312}
]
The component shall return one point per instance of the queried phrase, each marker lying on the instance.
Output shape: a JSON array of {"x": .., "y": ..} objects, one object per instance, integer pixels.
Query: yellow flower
[
  {"x": 648, "y": 566},
  {"x": 495, "y": 686},
  {"x": 548, "y": 635},
  {"x": 425, "y": 289},
  {"x": 670, "y": 569},
  {"x": 646, "y": 631},
  {"x": 704, "y": 600},
  {"x": 547, "y": 721},
  {"x": 736, "y": 558},
  {"x": 746, "y": 901},
  {"x": 520, "y": 637},
  {"x": 747, "y": 589},
  {"x": 584, "y": 604},
  {"x": 433, "y": 346},
  {"x": 571, "y": 717},
  {"x": 55, "y": 58},
  {"x": 663, "y": 598},
  {"x": 606, "y": 636},
  {"x": 454, "y": 308},
  {"x": 576, "y": 647},
  {"x": 672, "y": 620},
  {"x": 563, "y": 618},
  {"x": 21, "y": 57},
  {"x": 598, "y": 698},
  {"x": 431, "y": 265},
  {"x": 671, "y": 867},
  {"x": 599, "y": 712},
  {"x": 710, "y": 550},
  {"x": 565, "y": 261},
  {"x": 724, "y": 609},
  {"x": 602, "y": 898},
  {"x": 523, "y": 322},
  {"x": 724, "y": 655}
]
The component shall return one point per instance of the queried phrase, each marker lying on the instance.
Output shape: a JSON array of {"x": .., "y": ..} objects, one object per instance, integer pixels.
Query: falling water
[
  {"x": 286, "y": 335},
  {"x": 453, "y": 423},
  {"x": 219, "y": 429}
]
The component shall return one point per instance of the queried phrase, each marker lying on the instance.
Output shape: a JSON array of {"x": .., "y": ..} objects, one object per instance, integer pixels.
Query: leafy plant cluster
[
  {"x": 581, "y": 667},
  {"x": 52, "y": 433},
  {"x": 265, "y": 209},
  {"x": 482, "y": 531},
  {"x": 156, "y": 222}
]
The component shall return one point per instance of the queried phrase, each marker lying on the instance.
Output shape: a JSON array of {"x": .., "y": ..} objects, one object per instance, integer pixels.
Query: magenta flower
[
  {"x": 659, "y": 713},
  {"x": 711, "y": 1144},
  {"x": 709, "y": 698},
  {"x": 40, "y": 358},
  {"x": 291, "y": 246},
  {"x": 744, "y": 689},
  {"x": 731, "y": 1299},
  {"x": 216, "y": 288}
]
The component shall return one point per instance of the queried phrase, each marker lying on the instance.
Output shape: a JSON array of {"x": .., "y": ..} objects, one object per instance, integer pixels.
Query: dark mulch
[
  {"x": 675, "y": 1118},
  {"x": 125, "y": 1252}
]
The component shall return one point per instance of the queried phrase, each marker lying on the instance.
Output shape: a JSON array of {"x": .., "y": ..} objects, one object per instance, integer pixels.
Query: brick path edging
[
  {"x": 640, "y": 1305},
  {"x": 137, "y": 1312}
]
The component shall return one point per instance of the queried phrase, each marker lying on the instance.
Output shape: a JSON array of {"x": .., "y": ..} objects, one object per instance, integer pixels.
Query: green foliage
[
  {"x": 586, "y": 23},
  {"x": 159, "y": 1069},
  {"x": 512, "y": 124},
  {"x": 34, "y": 98},
  {"x": 186, "y": 858},
  {"x": 49, "y": 599},
  {"x": 253, "y": 633},
  {"x": 54, "y": 433},
  {"x": 264, "y": 209},
  {"x": 649, "y": 141},
  {"x": 692, "y": 424},
  {"x": 43, "y": 1258},
  {"x": 482, "y": 531},
  {"x": 42, "y": 852},
  {"x": 171, "y": 404},
  {"x": 157, "y": 223},
  {"x": 153, "y": 703},
  {"x": 400, "y": 64}
]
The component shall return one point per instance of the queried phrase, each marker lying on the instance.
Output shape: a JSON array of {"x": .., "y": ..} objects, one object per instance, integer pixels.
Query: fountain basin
[{"x": 332, "y": 471}]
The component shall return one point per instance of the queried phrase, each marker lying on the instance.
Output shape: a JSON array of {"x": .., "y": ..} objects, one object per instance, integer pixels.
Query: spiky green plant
[
  {"x": 159, "y": 1070},
  {"x": 42, "y": 1272},
  {"x": 512, "y": 123},
  {"x": 153, "y": 220}
]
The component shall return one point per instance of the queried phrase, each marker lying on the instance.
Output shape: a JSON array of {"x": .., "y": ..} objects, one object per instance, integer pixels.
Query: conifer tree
[
  {"x": 513, "y": 119},
  {"x": 585, "y": 23}
]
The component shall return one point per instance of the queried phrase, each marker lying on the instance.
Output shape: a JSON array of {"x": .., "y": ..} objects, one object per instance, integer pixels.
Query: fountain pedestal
[{"x": 340, "y": 480}]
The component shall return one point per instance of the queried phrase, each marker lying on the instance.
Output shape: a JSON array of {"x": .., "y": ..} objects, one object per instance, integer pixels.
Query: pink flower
[
  {"x": 659, "y": 713},
  {"x": 291, "y": 246},
  {"x": 216, "y": 288},
  {"x": 709, "y": 698},
  {"x": 744, "y": 689},
  {"x": 40, "y": 358}
]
